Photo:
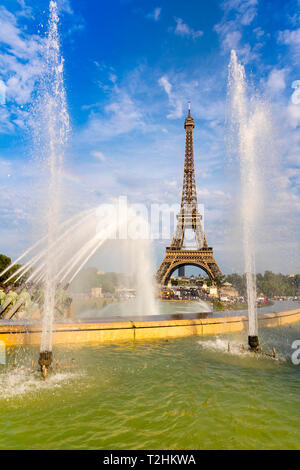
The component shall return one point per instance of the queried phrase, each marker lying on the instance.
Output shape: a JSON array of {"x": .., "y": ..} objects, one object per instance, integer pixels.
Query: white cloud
[
  {"x": 164, "y": 82},
  {"x": 232, "y": 40},
  {"x": 238, "y": 14},
  {"x": 65, "y": 5},
  {"x": 99, "y": 155},
  {"x": 25, "y": 11},
  {"x": 155, "y": 15},
  {"x": 289, "y": 37},
  {"x": 294, "y": 116},
  {"x": 122, "y": 115},
  {"x": 175, "y": 103},
  {"x": 16, "y": 42},
  {"x": 259, "y": 33},
  {"x": 242, "y": 7},
  {"x": 6, "y": 125},
  {"x": 20, "y": 65},
  {"x": 276, "y": 80},
  {"x": 113, "y": 78},
  {"x": 21, "y": 62},
  {"x": 182, "y": 29}
]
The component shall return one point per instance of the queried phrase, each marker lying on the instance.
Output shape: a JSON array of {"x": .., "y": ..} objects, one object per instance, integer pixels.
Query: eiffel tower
[{"x": 177, "y": 256}]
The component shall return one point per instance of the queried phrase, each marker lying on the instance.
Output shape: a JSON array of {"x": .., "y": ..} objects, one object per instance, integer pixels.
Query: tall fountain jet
[
  {"x": 243, "y": 122},
  {"x": 52, "y": 135},
  {"x": 57, "y": 258}
]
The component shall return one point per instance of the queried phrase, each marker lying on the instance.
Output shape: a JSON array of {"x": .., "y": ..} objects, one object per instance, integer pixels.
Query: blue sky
[{"x": 130, "y": 68}]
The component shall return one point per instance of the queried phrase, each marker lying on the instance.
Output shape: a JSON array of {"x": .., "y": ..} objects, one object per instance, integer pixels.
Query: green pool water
[{"x": 186, "y": 393}]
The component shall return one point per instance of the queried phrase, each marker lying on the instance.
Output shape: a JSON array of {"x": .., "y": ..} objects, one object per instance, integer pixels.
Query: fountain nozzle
[
  {"x": 45, "y": 361},
  {"x": 253, "y": 342}
]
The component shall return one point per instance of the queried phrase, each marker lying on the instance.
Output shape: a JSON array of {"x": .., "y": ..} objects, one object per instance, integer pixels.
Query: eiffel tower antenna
[{"x": 189, "y": 217}]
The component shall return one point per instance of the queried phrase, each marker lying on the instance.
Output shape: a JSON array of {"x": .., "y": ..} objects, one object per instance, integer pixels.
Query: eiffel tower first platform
[{"x": 177, "y": 256}]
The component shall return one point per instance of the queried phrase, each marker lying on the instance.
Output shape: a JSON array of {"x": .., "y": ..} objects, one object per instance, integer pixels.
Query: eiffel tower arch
[{"x": 189, "y": 217}]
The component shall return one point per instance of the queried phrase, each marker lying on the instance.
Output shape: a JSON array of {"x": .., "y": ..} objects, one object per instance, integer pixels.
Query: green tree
[
  {"x": 5, "y": 261},
  {"x": 238, "y": 281}
]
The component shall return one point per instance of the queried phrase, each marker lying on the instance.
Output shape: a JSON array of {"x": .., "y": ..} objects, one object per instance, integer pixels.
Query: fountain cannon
[
  {"x": 253, "y": 342},
  {"x": 45, "y": 362}
]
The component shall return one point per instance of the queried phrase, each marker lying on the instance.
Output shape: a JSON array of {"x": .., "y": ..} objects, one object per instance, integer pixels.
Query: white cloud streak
[
  {"x": 175, "y": 103},
  {"x": 155, "y": 15},
  {"x": 238, "y": 14},
  {"x": 20, "y": 64},
  {"x": 182, "y": 29},
  {"x": 122, "y": 115}
]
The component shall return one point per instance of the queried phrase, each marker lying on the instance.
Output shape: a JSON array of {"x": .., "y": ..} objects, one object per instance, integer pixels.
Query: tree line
[
  {"x": 5, "y": 261},
  {"x": 269, "y": 284},
  {"x": 90, "y": 277}
]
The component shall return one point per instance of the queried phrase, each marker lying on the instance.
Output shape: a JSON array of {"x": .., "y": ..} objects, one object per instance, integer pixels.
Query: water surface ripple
[{"x": 187, "y": 393}]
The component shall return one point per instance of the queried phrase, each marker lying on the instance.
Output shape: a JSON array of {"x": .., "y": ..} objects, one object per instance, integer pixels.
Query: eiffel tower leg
[
  {"x": 215, "y": 270},
  {"x": 165, "y": 270},
  {"x": 167, "y": 274},
  {"x": 162, "y": 270}
]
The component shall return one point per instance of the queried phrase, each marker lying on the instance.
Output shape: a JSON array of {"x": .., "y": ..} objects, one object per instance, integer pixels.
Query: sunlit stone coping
[{"x": 114, "y": 332}]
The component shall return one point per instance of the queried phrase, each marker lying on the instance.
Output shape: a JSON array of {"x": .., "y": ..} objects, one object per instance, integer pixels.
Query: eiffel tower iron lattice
[{"x": 189, "y": 217}]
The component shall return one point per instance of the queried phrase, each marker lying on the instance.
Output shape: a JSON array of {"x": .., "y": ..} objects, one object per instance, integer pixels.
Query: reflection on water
[
  {"x": 276, "y": 307},
  {"x": 130, "y": 308},
  {"x": 176, "y": 310}
]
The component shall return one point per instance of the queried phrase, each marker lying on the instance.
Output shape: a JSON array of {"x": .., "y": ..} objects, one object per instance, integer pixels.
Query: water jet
[{"x": 249, "y": 126}]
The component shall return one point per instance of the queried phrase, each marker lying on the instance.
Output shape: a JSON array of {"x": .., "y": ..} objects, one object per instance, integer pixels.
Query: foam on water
[
  {"x": 221, "y": 345},
  {"x": 22, "y": 381},
  {"x": 218, "y": 345}
]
